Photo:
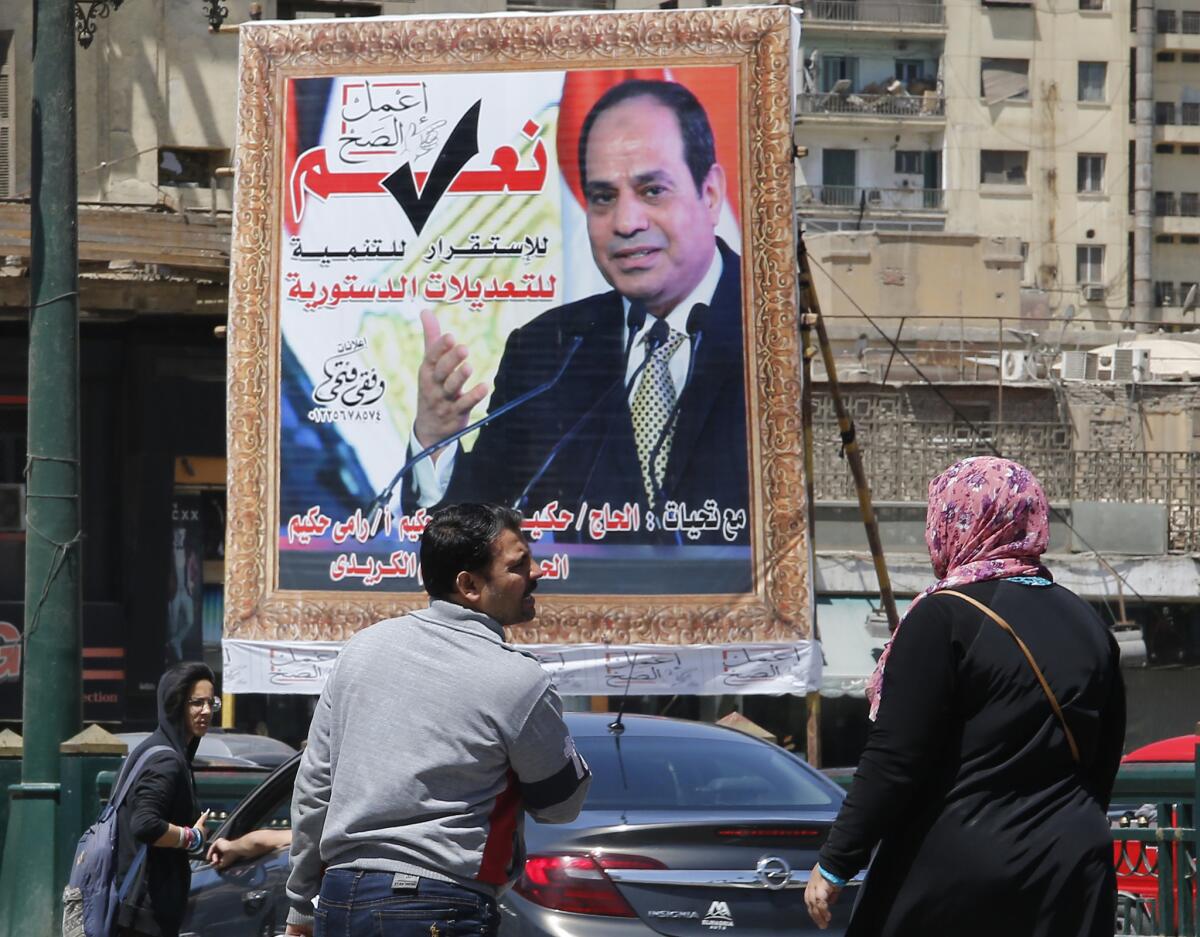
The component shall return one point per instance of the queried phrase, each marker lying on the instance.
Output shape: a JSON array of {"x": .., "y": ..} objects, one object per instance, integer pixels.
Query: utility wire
[{"x": 959, "y": 415}]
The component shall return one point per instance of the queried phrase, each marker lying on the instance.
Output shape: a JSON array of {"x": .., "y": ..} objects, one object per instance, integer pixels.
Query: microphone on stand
[
  {"x": 695, "y": 330},
  {"x": 636, "y": 319},
  {"x": 379, "y": 504}
]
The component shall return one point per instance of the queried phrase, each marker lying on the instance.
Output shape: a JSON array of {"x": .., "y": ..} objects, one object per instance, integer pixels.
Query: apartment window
[
  {"x": 6, "y": 128},
  {"x": 835, "y": 68},
  {"x": 1191, "y": 22},
  {"x": 1164, "y": 204},
  {"x": 910, "y": 70},
  {"x": 1164, "y": 56},
  {"x": 324, "y": 9},
  {"x": 1091, "y": 4},
  {"x": 1164, "y": 239},
  {"x": 1090, "y": 174},
  {"x": 1164, "y": 113},
  {"x": 1164, "y": 293},
  {"x": 1189, "y": 204},
  {"x": 1089, "y": 264},
  {"x": 1025, "y": 278},
  {"x": 1165, "y": 21},
  {"x": 1190, "y": 57},
  {"x": 1189, "y": 239},
  {"x": 189, "y": 167},
  {"x": 1003, "y": 80},
  {"x": 910, "y": 162},
  {"x": 1164, "y": 148},
  {"x": 1190, "y": 114},
  {"x": 1091, "y": 80},
  {"x": 1190, "y": 149},
  {"x": 1003, "y": 167}
]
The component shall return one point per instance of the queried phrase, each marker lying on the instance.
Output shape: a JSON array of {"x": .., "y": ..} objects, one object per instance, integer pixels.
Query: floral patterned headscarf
[{"x": 987, "y": 519}]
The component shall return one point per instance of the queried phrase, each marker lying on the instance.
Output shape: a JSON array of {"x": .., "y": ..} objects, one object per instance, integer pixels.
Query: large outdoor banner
[{"x": 543, "y": 261}]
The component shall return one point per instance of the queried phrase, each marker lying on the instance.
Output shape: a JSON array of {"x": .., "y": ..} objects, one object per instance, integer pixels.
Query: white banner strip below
[{"x": 576, "y": 669}]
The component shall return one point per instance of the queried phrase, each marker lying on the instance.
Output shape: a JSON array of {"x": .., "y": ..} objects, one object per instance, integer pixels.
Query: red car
[{"x": 1137, "y": 864}]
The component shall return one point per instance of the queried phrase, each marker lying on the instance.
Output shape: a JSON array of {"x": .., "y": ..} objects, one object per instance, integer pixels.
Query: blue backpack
[{"x": 92, "y": 895}]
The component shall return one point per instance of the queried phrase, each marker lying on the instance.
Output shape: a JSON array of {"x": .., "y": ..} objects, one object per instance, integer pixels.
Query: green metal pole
[{"x": 29, "y": 885}]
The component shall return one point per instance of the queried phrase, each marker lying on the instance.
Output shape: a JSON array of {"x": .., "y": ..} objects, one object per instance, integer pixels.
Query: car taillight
[{"x": 579, "y": 884}]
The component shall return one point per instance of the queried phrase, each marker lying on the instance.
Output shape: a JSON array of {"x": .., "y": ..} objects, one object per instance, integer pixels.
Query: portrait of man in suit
[{"x": 650, "y": 408}]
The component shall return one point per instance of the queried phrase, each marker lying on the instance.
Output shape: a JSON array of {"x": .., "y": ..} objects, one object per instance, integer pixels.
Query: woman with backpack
[{"x": 161, "y": 810}]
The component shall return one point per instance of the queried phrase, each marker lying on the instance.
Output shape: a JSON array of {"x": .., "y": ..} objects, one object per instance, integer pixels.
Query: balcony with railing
[
  {"x": 877, "y": 14},
  {"x": 849, "y": 107},
  {"x": 821, "y": 199}
]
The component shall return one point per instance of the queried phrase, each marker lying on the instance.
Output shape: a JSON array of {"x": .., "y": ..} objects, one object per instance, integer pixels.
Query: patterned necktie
[{"x": 652, "y": 403}]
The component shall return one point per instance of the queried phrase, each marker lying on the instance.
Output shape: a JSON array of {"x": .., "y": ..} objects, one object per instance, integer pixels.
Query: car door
[{"x": 247, "y": 899}]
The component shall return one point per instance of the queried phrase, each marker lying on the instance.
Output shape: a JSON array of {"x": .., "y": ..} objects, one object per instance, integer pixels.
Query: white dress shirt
[{"x": 433, "y": 478}]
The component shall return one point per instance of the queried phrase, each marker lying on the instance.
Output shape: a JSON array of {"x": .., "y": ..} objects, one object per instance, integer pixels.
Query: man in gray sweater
[{"x": 430, "y": 741}]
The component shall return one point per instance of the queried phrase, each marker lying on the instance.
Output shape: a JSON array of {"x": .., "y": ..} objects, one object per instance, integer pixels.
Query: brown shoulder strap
[{"x": 1037, "y": 671}]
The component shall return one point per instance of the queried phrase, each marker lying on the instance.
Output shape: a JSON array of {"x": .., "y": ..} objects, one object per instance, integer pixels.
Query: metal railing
[
  {"x": 869, "y": 199},
  {"x": 923, "y": 106},
  {"x": 1154, "y": 850},
  {"x": 871, "y": 13},
  {"x": 901, "y": 455}
]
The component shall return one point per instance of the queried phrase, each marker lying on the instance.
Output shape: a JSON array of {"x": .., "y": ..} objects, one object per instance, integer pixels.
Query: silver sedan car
[{"x": 689, "y": 829}]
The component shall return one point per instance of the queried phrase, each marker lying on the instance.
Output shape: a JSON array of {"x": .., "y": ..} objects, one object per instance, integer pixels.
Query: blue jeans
[{"x": 356, "y": 904}]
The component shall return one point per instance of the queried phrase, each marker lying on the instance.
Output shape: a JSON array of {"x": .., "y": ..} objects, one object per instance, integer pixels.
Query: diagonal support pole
[{"x": 812, "y": 319}]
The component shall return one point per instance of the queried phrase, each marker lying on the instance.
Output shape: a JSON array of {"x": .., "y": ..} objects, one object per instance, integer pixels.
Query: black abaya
[{"x": 984, "y": 823}]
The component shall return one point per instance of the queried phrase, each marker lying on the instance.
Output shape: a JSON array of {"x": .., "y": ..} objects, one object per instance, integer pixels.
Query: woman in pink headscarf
[{"x": 998, "y": 719}]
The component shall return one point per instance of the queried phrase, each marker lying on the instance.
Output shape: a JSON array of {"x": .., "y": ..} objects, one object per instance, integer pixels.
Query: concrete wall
[{"x": 924, "y": 275}]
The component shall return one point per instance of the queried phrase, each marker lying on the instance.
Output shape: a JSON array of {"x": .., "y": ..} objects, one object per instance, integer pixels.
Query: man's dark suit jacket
[{"x": 599, "y": 464}]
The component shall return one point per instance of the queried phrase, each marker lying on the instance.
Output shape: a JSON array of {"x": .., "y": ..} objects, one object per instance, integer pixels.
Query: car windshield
[{"x": 651, "y": 773}]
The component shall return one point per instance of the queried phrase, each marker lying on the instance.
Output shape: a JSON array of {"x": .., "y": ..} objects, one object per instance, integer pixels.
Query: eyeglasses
[{"x": 200, "y": 702}]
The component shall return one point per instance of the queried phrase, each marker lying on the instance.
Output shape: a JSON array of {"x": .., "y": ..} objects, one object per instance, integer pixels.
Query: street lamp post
[{"x": 51, "y": 686}]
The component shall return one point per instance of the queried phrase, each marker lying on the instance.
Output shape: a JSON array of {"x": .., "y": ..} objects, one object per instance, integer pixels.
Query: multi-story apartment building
[{"x": 1005, "y": 118}]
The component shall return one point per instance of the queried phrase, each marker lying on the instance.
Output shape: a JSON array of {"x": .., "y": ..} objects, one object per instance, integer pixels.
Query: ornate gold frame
[{"x": 758, "y": 41}]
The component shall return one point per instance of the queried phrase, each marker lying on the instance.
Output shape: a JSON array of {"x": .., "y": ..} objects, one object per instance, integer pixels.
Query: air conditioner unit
[
  {"x": 1092, "y": 293},
  {"x": 1078, "y": 366},
  {"x": 1130, "y": 365},
  {"x": 1014, "y": 365}
]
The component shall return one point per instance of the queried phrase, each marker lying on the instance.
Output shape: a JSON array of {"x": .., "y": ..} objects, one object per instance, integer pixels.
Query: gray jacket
[{"x": 431, "y": 739}]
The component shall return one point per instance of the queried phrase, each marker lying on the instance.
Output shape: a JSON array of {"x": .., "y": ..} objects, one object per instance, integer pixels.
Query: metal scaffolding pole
[{"x": 51, "y": 695}]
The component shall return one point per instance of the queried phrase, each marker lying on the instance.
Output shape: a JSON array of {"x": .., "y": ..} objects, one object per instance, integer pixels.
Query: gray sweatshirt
[{"x": 430, "y": 740}]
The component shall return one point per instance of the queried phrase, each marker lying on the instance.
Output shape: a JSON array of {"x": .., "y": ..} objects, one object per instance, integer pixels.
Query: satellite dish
[
  {"x": 1189, "y": 301},
  {"x": 842, "y": 86}
]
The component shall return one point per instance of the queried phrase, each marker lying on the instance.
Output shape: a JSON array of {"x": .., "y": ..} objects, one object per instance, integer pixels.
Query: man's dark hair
[
  {"x": 699, "y": 152},
  {"x": 459, "y": 537}
]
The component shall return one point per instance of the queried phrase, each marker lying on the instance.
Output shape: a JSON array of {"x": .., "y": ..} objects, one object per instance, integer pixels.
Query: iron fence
[
  {"x": 901, "y": 456},
  {"x": 870, "y": 199},
  {"x": 1154, "y": 850},
  {"x": 868, "y": 13},
  {"x": 928, "y": 105}
]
